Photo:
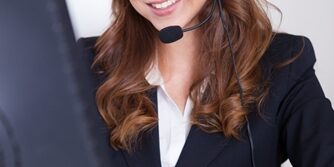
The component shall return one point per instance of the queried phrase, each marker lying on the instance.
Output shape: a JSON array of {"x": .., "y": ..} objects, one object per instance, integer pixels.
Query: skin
[{"x": 176, "y": 61}]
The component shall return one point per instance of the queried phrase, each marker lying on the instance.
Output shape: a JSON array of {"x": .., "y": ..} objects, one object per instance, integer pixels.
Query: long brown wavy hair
[{"x": 126, "y": 50}]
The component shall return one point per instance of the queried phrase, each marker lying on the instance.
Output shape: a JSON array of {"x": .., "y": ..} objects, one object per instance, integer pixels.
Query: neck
[
  {"x": 176, "y": 62},
  {"x": 179, "y": 57}
]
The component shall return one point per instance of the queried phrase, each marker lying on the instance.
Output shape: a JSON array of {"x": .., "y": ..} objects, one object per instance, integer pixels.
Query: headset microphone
[{"x": 173, "y": 33}]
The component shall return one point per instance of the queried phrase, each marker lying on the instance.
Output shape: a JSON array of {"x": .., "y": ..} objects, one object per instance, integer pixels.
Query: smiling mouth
[{"x": 163, "y": 5}]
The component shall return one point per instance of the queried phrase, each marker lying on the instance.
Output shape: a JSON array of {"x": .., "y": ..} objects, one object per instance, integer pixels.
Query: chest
[{"x": 203, "y": 149}]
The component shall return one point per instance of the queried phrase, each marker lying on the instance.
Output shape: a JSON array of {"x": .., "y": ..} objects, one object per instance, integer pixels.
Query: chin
[{"x": 160, "y": 25}]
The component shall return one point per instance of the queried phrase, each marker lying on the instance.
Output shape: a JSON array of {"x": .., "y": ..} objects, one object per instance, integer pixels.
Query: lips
[
  {"x": 164, "y": 4},
  {"x": 163, "y": 8}
]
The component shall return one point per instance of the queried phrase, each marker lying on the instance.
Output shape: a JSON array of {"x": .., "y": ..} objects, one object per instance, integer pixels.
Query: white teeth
[{"x": 164, "y": 5}]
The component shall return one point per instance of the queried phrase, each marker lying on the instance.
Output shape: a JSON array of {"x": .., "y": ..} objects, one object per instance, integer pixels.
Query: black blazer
[{"x": 298, "y": 124}]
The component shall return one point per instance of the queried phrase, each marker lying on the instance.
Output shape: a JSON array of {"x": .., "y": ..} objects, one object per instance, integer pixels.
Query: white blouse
[{"x": 173, "y": 124}]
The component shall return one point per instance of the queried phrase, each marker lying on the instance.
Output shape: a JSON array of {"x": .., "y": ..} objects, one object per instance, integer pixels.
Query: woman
[{"x": 230, "y": 93}]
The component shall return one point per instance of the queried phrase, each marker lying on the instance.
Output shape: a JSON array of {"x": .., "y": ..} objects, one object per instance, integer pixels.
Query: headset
[{"x": 173, "y": 33}]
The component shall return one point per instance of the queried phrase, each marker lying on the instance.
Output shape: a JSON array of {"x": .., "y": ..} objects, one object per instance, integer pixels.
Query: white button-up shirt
[{"x": 174, "y": 125}]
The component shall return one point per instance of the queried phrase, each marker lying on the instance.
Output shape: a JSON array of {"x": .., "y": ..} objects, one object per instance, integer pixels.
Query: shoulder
[
  {"x": 287, "y": 61},
  {"x": 283, "y": 47},
  {"x": 296, "y": 76},
  {"x": 284, "y": 43},
  {"x": 295, "y": 51}
]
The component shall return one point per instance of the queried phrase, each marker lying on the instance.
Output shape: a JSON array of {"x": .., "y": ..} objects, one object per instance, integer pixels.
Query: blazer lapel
[
  {"x": 201, "y": 148},
  {"x": 148, "y": 153}
]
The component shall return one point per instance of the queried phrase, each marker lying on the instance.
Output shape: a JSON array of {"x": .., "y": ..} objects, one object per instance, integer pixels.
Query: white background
[{"x": 314, "y": 19}]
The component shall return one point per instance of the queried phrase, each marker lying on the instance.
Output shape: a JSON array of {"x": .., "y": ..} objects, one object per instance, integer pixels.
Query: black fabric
[
  {"x": 46, "y": 113},
  {"x": 297, "y": 120}
]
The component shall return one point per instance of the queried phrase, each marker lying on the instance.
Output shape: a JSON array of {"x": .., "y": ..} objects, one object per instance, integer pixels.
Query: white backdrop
[{"x": 314, "y": 19}]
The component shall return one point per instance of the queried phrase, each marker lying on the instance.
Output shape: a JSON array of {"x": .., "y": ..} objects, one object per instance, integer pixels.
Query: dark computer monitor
[{"x": 48, "y": 116}]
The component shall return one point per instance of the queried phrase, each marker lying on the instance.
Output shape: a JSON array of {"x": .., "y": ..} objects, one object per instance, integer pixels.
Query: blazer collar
[
  {"x": 147, "y": 154},
  {"x": 199, "y": 150}
]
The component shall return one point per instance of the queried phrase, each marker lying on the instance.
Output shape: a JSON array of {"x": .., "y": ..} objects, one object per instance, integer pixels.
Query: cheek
[
  {"x": 144, "y": 10},
  {"x": 139, "y": 7}
]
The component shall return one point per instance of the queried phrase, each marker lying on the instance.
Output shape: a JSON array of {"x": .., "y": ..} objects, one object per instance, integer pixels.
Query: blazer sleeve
[{"x": 307, "y": 122}]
